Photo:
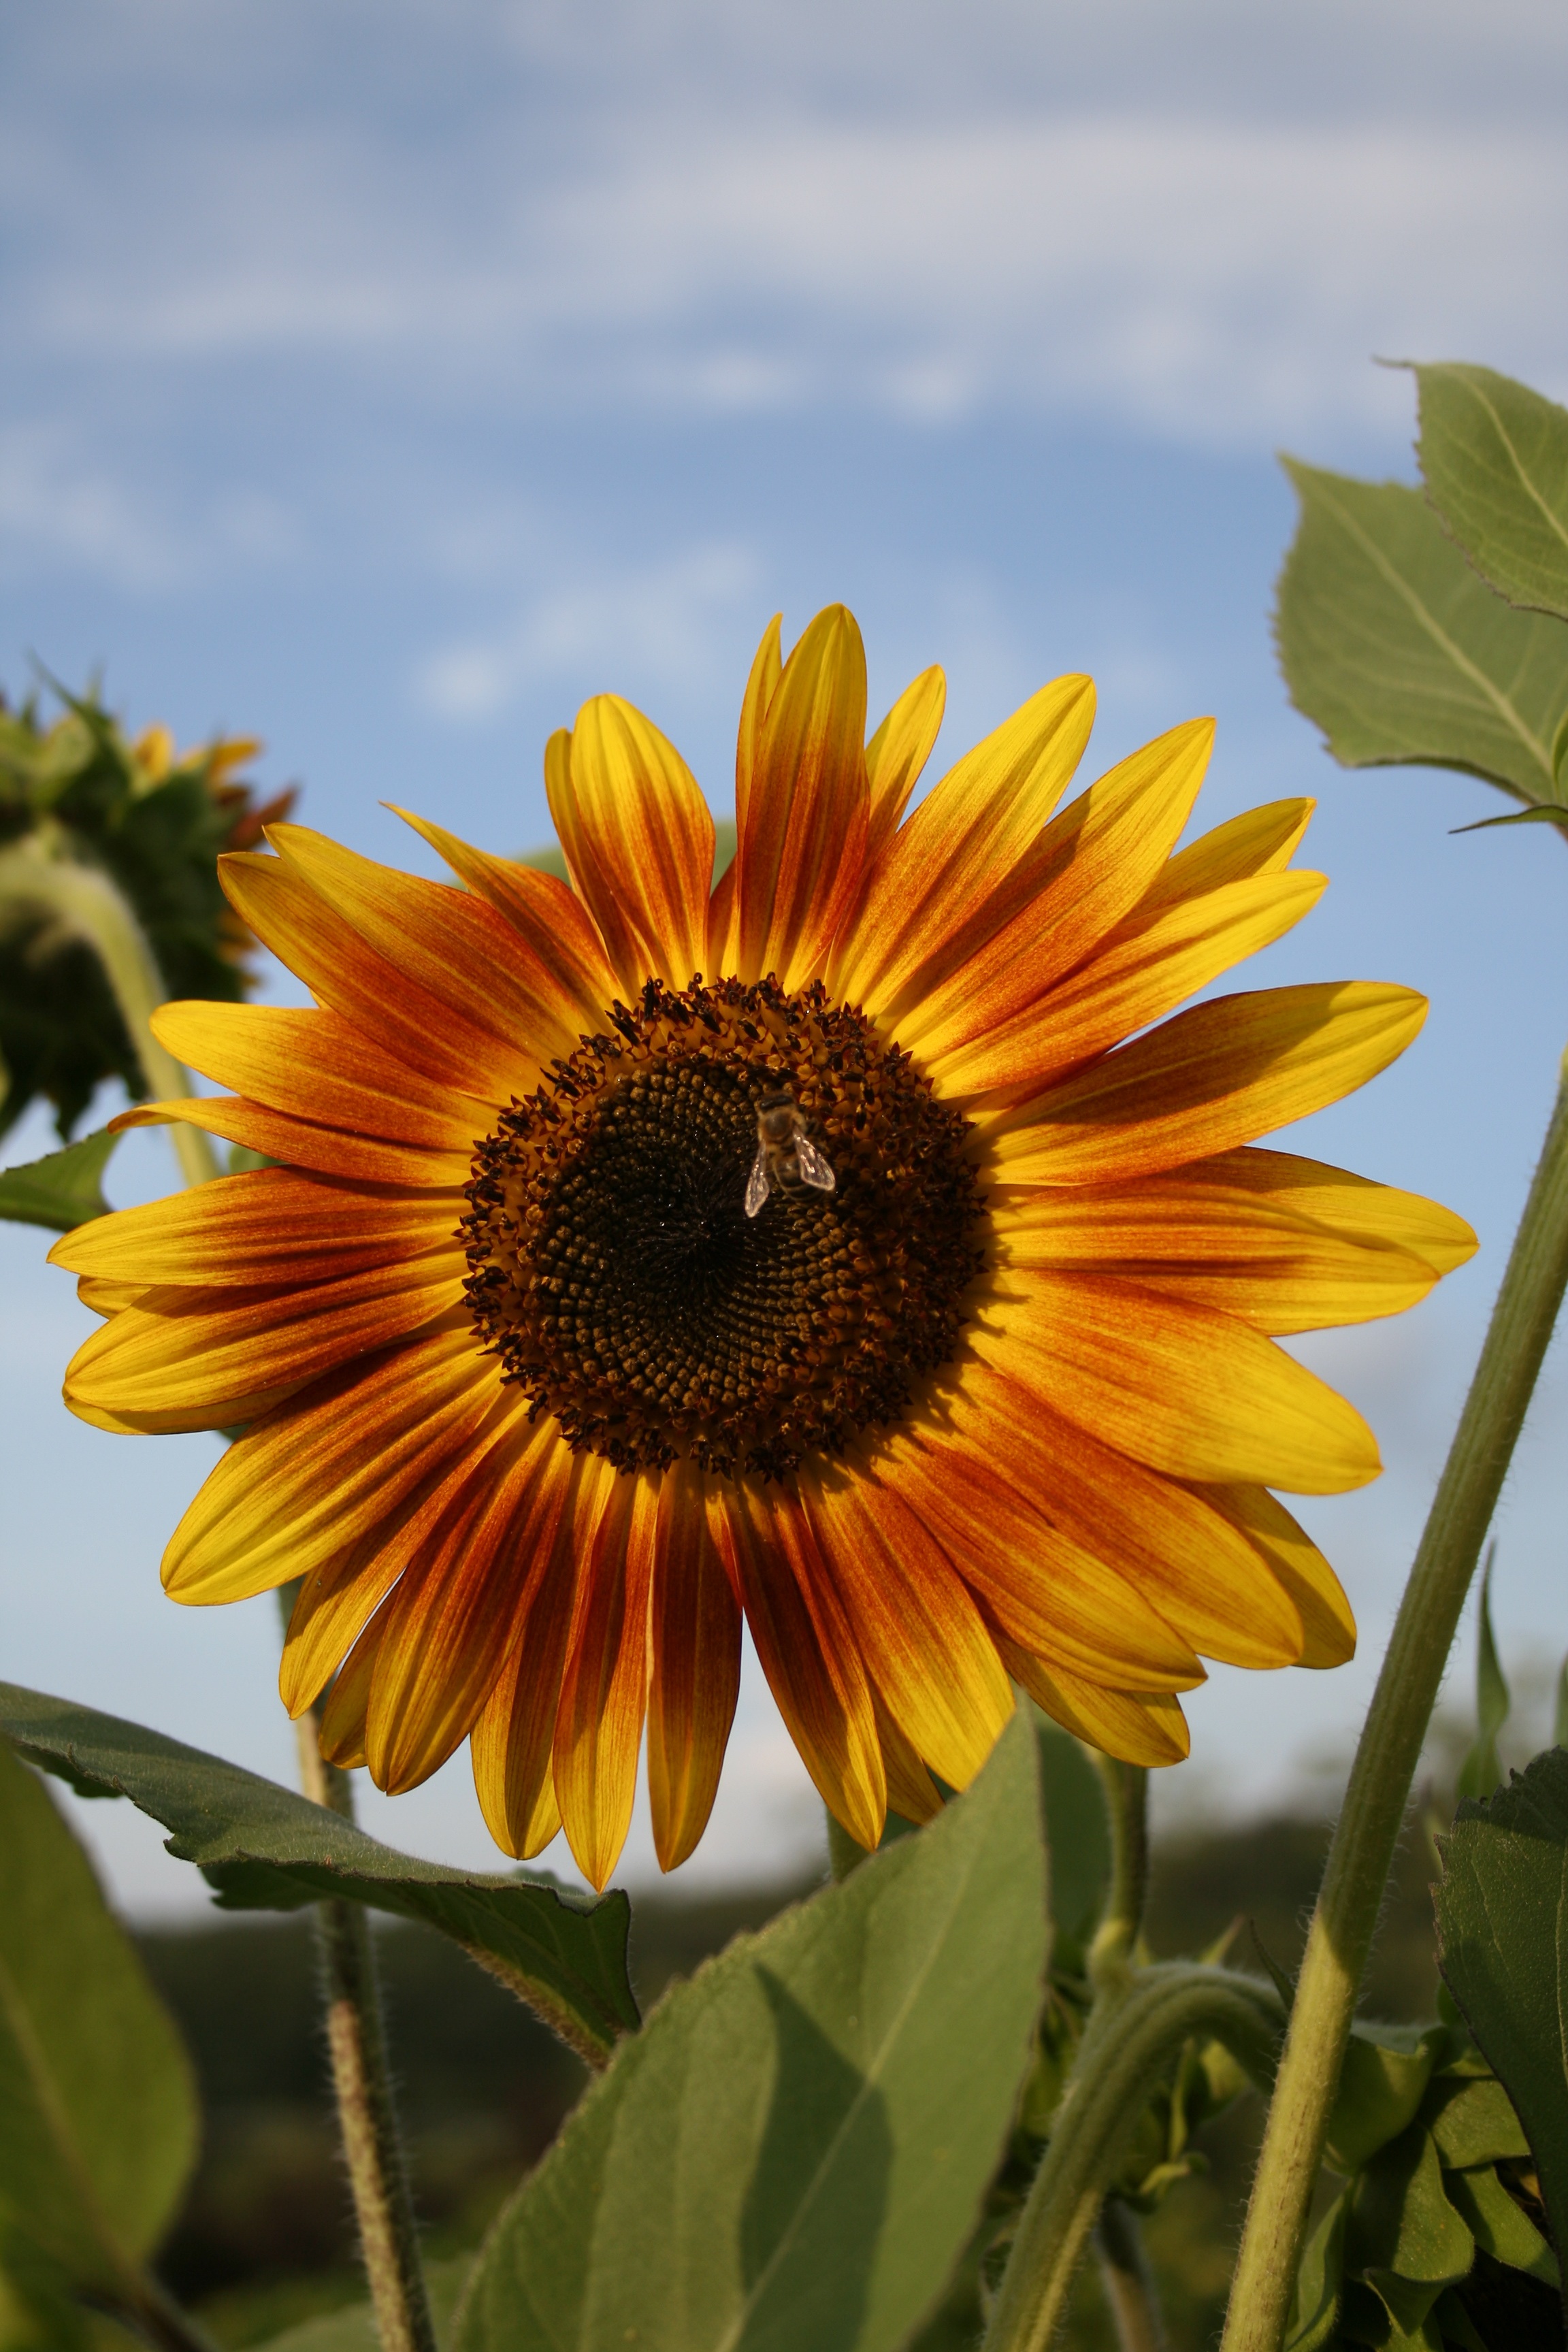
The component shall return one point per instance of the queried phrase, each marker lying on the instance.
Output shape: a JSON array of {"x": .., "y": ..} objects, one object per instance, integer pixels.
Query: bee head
[{"x": 776, "y": 1117}]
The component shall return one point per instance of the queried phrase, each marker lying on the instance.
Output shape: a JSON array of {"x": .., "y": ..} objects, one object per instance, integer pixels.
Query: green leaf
[
  {"x": 1498, "y": 2226},
  {"x": 1078, "y": 1839},
  {"x": 1315, "y": 2309},
  {"x": 1495, "y": 456},
  {"x": 352, "y": 2329},
  {"x": 1480, "y": 1772},
  {"x": 1560, "y": 1708},
  {"x": 1502, "y": 1929},
  {"x": 794, "y": 2151},
  {"x": 1399, "y": 653},
  {"x": 1382, "y": 2084},
  {"x": 64, "y": 1189},
  {"x": 1473, "y": 2122},
  {"x": 1401, "y": 2219},
  {"x": 265, "y": 1849},
  {"x": 98, "y": 2097},
  {"x": 1557, "y": 816}
]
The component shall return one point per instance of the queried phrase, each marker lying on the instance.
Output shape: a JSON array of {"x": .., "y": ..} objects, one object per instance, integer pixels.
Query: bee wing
[
  {"x": 757, "y": 1181},
  {"x": 812, "y": 1167}
]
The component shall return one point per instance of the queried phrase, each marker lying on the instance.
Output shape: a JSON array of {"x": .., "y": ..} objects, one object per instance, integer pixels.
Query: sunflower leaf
[
  {"x": 352, "y": 2327},
  {"x": 1495, "y": 456},
  {"x": 794, "y": 2151},
  {"x": 1401, "y": 652},
  {"x": 262, "y": 1848},
  {"x": 98, "y": 2096},
  {"x": 1480, "y": 1772},
  {"x": 1502, "y": 1929},
  {"x": 63, "y": 1190}
]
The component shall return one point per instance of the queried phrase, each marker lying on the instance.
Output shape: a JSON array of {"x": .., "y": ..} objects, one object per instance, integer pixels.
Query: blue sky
[{"x": 387, "y": 379}]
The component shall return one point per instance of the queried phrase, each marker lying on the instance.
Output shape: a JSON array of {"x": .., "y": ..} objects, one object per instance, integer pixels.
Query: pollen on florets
[{"x": 614, "y": 1270}]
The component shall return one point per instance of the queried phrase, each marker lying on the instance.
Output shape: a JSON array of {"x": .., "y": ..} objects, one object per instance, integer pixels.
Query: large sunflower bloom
[{"x": 538, "y": 1412}]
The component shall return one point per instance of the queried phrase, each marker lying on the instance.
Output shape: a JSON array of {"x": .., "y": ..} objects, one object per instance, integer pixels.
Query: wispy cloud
[
  {"x": 734, "y": 217},
  {"x": 661, "y": 623}
]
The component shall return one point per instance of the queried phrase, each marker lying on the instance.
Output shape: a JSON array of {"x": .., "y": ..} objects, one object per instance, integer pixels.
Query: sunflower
[{"x": 648, "y": 1255}]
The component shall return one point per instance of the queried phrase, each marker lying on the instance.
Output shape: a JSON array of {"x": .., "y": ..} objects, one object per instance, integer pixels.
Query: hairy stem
[
  {"x": 1125, "y": 2275},
  {"x": 1133, "y": 2035},
  {"x": 1127, "y": 1802},
  {"x": 362, "y": 2079},
  {"x": 1364, "y": 1840},
  {"x": 81, "y": 902}
]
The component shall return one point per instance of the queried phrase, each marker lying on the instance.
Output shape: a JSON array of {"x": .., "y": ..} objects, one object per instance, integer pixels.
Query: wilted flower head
[{"x": 78, "y": 796}]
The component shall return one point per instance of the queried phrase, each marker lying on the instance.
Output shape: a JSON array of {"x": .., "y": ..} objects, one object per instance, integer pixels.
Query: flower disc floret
[{"x": 614, "y": 1269}]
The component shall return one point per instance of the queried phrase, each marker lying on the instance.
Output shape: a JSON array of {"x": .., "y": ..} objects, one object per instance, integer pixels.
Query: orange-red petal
[
  {"x": 808, "y": 1654},
  {"x": 639, "y": 841},
  {"x": 1207, "y": 1080},
  {"x": 695, "y": 1668},
  {"x": 604, "y": 1692},
  {"x": 1187, "y": 1390},
  {"x": 801, "y": 831}
]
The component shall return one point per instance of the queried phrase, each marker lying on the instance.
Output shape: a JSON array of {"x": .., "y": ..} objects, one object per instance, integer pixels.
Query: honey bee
[{"x": 786, "y": 1157}]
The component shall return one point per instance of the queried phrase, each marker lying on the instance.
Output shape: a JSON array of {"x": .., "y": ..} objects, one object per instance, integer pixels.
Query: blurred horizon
[{"x": 385, "y": 380}]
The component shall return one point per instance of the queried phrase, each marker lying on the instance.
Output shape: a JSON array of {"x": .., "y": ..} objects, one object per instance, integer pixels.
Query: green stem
[
  {"x": 1133, "y": 2035},
  {"x": 1121, "y": 1923},
  {"x": 1125, "y": 2275},
  {"x": 83, "y": 903},
  {"x": 362, "y": 2075},
  {"x": 1364, "y": 1840},
  {"x": 361, "y": 2081}
]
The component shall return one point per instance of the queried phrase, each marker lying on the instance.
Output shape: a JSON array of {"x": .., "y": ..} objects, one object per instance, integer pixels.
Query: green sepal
[
  {"x": 63, "y": 1190},
  {"x": 262, "y": 1848},
  {"x": 1498, "y": 2224},
  {"x": 1315, "y": 2314},
  {"x": 1473, "y": 2122},
  {"x": 1401, "y": 2222},
  {"x": 1381, "y": 2085}
]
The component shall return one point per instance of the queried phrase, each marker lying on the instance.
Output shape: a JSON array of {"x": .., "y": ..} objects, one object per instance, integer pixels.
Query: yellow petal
[
  {"x": 1090, "y": 866},
  {"x": 925, "y": 1642},
  {"x": 1139, "y": 1727},
  {"x": 1190, "y": 1235},
  {"x": 801, "y": 834},
  {"x": 1192, "y": 1393},
  {"x": 639, "y": 841},
  {"x": 695, "y": 1668},
  {"x": 604, "y": 1692},
  {"x": 1211, "y": 1078},
  {"x": 1144, "y": 971},
  {"x": 965, "y": 838}
]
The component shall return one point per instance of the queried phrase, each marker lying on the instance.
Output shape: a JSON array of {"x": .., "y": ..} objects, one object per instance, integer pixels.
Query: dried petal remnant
[{"x": 615, "y": 1271}]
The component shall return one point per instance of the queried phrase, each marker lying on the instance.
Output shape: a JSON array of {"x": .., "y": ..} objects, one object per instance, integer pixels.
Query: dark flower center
[{"x": 618, "y": 1275}]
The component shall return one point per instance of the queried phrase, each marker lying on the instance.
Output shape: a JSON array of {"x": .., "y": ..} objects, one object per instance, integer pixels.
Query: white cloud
[
  {"x": 659, "y": 622},
  {"x": 1138, "y": 212},
  {"x": 56, "y": 503}
]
